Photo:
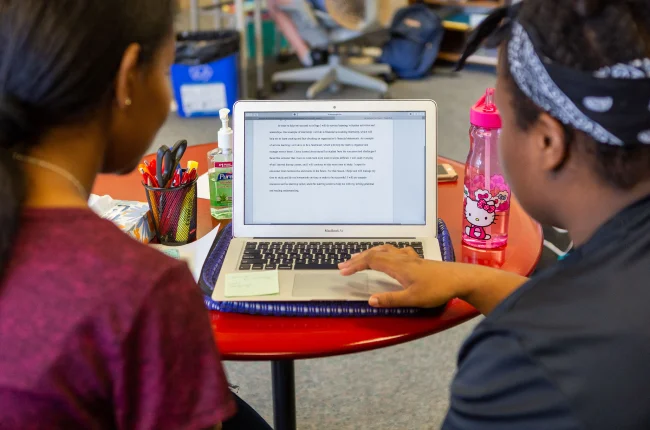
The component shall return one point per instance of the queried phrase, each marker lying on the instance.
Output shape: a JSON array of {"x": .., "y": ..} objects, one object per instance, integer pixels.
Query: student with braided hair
[
  {"x": 97, "y": 331},
  {"x": 568, "y": 349}
]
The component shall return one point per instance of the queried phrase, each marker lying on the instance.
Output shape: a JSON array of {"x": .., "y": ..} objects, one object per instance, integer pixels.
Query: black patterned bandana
[{"x": 611, "y": 104}]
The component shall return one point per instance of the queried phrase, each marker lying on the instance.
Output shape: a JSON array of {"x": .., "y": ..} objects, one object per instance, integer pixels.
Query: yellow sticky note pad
[{"x": 251, "y": 284}]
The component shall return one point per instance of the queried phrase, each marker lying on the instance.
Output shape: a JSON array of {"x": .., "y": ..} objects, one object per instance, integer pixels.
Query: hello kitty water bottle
[{"x": 486, "y": 193}]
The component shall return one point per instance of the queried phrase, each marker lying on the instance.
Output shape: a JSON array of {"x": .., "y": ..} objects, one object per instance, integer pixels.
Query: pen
[
  {"x": 147, "y": 179},
  {"x": 143, "y": 170},
  {"x": 189, "y": 176},
  {"x": 151, "y": 166},
  {"x": 177, "y": 178}
]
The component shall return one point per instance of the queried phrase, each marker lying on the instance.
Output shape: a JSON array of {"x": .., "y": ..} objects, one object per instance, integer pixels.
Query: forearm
[{"x": 485, "y": 287}]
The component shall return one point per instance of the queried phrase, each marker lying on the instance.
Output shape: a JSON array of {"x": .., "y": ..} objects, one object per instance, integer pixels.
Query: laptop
[{"x": 315, "y": 182}]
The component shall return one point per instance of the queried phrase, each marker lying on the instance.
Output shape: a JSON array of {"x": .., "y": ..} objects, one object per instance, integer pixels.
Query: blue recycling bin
[{"x": 205, "y": 75}]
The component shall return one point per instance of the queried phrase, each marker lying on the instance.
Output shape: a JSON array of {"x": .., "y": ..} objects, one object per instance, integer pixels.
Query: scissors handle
[
  {"x": 178, "y": 150},
  {"x": 160, "y": 161},
  {"x": 168, "y": 169},
  {"x": 167, "y": 160}
]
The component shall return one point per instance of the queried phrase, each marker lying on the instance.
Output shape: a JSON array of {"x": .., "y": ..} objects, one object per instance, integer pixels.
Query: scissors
[
  {"x": 178, "y": 150},
  {"x": 167, "y": 160}
]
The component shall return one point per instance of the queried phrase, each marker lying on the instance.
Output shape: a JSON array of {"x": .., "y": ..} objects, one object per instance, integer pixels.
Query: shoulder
[
  {"x": 132, "y": 273},
  {"x": 85, "y": 261},
  {"x": 108, "y": 245},
  {"x": 144, "y": 292},
  {"x": 115, "y": 259},
  {"x": 579, "y": 298},
  {"x": 500, "y": 386},
  {"x": 562, "y": 327}
]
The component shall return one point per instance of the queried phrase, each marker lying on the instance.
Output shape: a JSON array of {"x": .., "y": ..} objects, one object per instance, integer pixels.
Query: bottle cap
[
  {"x": 485, "y": 113},
  {"x": 225, "y": 134},
  {"x": 223, "y": 114}
]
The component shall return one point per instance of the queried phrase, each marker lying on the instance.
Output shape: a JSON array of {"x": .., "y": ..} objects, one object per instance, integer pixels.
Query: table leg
[
  {"x": 194, "y": 15},
  {"x": 218, "y": 16},
  {"x": 259, "y": 49},
  {"x": 284, "y": 395},
  {"x": 240, "y": 18}
]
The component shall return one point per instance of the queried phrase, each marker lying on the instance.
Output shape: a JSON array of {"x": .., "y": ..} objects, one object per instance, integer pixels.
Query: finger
[
  {"x": 386, "y": 248},
  {"x": 361, "y": 255},
  {"x": 357, "y": 263},
  {"x": 395, "y": 265},
  {"x": 409, "y": 251},
  {"x": 397, "y": 299}
]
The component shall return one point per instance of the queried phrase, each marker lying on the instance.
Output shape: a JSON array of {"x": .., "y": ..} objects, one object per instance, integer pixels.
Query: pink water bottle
[{"x": 486, "y": 194}]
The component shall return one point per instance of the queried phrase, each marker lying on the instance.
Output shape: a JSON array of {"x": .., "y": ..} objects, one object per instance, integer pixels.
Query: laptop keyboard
[{"x": 308, "y": 255}]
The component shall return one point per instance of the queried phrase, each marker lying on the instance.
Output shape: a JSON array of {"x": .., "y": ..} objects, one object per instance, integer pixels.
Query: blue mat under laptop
[{"x": 214, "y": 261}]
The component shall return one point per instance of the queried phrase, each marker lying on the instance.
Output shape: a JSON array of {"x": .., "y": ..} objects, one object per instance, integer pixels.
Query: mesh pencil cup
[{"x": 174, "y": 213}]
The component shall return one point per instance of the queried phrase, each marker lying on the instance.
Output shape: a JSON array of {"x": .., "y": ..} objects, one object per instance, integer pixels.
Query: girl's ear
[
  {"x": 550, "y": 142},
  {"x": 126, "y": 76}
]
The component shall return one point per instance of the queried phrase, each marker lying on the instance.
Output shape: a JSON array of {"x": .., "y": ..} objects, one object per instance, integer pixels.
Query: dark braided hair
[
  {"x": 588, "y": 35},
  {"x": 58, "y": 62}
]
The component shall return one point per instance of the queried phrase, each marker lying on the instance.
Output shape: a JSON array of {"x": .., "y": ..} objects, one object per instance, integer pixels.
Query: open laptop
[{"x": 319, "y": 181}]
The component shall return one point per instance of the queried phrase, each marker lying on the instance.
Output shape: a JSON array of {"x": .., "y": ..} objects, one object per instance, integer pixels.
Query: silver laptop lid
[{"x": 335, "y": 169}]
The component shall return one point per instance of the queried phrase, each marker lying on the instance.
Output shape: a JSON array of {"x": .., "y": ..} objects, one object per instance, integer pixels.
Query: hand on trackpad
[{"x": 319, "y": 286}]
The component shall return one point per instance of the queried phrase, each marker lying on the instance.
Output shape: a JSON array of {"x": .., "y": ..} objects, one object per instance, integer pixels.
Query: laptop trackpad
[{"x": 325, "y": 286}]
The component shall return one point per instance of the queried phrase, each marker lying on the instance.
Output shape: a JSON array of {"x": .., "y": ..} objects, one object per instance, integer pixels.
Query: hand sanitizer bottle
[{"x": 220, "y": 171}]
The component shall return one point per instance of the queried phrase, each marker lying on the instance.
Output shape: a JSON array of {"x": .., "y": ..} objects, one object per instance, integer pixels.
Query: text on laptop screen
[{"x": 335, "y": 168}]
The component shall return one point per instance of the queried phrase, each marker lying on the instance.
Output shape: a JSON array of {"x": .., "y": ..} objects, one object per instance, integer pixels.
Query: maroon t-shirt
[{"x": 98, "y": 331}]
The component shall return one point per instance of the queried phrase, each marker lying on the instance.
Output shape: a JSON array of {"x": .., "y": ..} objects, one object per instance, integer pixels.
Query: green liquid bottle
[{"x": 220, "y": 171}]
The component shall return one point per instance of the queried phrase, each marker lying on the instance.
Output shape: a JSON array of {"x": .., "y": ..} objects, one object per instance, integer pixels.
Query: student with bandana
[{"x": 569, "y": 348}]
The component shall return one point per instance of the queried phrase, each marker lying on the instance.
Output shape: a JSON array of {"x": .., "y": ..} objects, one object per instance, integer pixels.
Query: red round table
[{"x": 285, "y": 339}]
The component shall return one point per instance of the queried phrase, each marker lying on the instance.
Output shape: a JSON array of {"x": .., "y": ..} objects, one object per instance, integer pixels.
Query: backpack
[{"x": 416, "y": 34}]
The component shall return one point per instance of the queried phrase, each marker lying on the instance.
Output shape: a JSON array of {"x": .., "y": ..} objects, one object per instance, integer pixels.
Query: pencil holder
[{"x": 174, "y": 213}]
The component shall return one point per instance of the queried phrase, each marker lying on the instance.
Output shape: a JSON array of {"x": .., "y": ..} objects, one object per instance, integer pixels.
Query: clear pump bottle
[{"x": 220, "y": 171}]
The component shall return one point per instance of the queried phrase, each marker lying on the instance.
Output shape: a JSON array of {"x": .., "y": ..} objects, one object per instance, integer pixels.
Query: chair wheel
[
  {"x": 319, "y": 57},
  {"x": 389, "y": 78},
  {"x": 279, "y": 87},
  {"x": 335, "y": 88},
  {"x": 283, "y": 58}
]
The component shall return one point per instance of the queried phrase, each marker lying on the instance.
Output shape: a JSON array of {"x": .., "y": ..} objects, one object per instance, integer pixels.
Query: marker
[{"x": 147, "y": 179}]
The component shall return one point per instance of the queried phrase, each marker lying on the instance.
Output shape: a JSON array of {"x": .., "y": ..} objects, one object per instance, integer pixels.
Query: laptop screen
[{"x": 335, "y": 168}]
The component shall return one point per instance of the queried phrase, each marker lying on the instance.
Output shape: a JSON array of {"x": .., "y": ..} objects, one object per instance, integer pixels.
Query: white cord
[
  {"x": 559, "y": 230},
  {"x": 557, "y": 251}
]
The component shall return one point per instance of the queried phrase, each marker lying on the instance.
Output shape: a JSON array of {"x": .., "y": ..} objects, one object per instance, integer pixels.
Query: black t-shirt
[{"x": 570, "y": 349}]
